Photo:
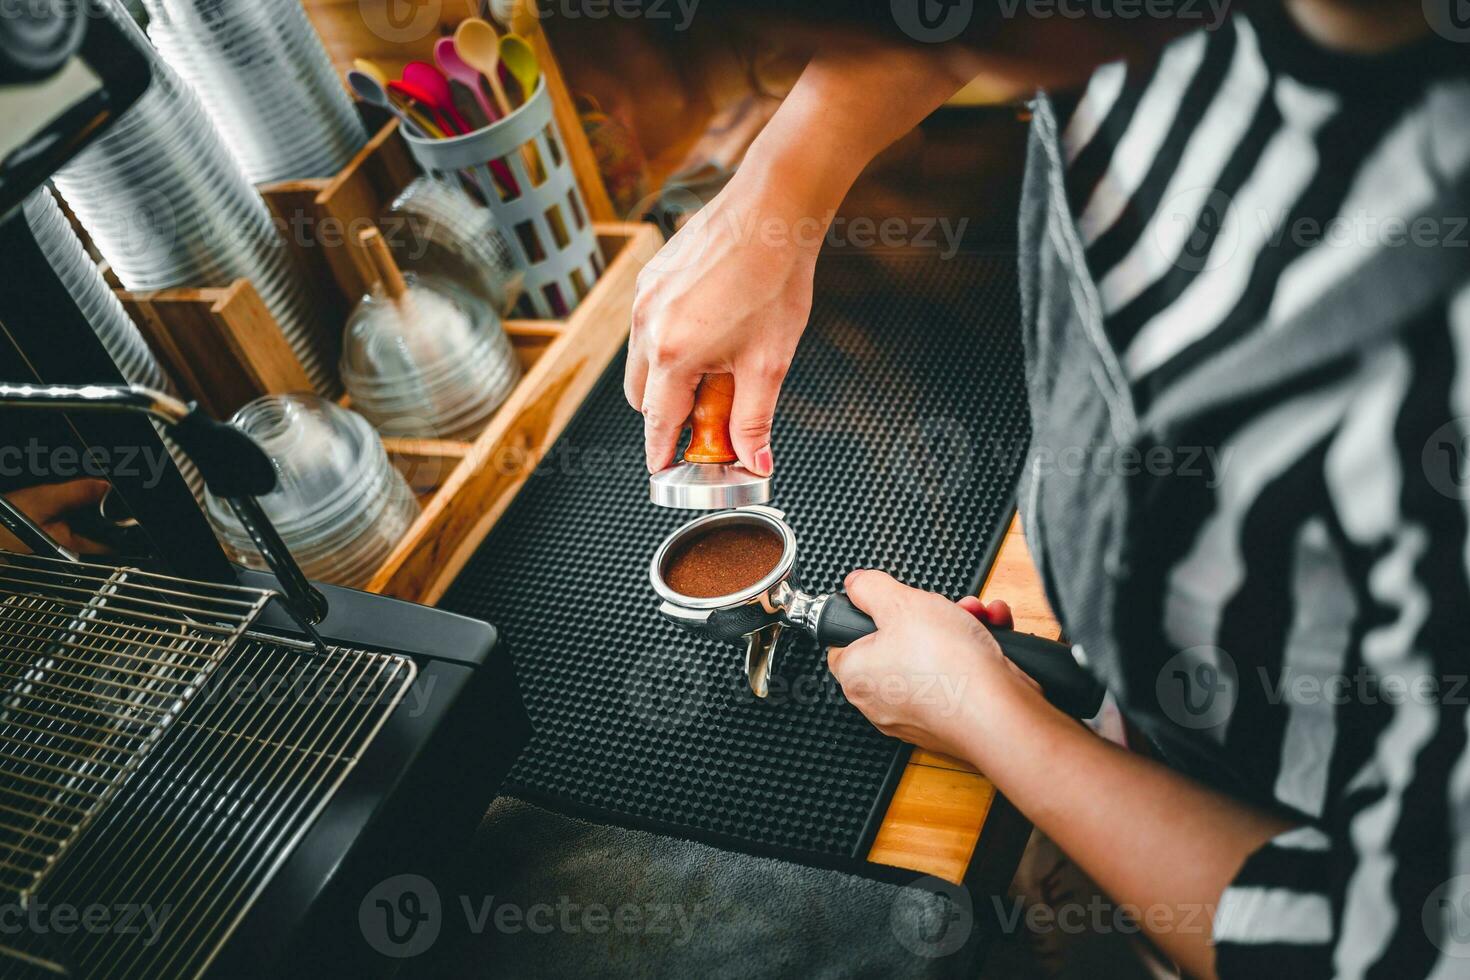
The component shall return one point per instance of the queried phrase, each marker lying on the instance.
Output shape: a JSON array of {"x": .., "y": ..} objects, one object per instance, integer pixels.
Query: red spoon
[
  {"x": 417, "y": 95},
  {"x": 433, "y": 84}
]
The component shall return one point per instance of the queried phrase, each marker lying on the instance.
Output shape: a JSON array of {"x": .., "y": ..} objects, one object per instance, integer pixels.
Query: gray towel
[{"x": 551, "y": 896}]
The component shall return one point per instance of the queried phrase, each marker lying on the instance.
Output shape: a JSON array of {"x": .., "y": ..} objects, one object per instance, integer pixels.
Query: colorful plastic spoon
[
  {"x": 520, "y": 61},
  {"x": 372, "y": 69},
  {"x": 366, "y": 87},
  {"x": 479, "y": 46},
  {"x": 446, "y": 56},
  {"x": 425, "y": 101},
  {"x": 433, "y": 84}
]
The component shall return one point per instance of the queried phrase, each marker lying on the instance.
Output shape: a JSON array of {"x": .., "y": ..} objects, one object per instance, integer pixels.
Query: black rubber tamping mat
[{"x": 899, "y": 440}]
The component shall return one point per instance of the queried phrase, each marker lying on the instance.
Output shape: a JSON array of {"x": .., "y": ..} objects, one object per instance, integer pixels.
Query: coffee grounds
[{"x": 725, "y": 560}]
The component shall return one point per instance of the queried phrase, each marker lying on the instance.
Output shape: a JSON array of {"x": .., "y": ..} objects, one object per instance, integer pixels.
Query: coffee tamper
[
  {"x": 757, "y": 615},
  {"x": 710, "y": 476}
]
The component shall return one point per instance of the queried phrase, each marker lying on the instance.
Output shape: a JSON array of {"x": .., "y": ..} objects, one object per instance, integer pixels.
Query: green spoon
[{"x": 520, "y": 61}]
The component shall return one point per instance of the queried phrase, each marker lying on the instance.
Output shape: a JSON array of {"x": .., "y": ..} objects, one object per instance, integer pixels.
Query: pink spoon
[
  {"x": 446, "y": 56},
  {"x": 428, "y": 79}
]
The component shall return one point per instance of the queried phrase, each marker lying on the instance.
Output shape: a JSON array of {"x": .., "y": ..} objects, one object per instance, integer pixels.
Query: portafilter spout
[
  {"x": 234, "y": 468},
  {"x": 757, "y": 615}
]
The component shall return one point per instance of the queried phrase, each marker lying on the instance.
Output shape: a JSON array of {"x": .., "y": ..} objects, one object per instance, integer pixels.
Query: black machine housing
[{"x": 424, "y": 782}]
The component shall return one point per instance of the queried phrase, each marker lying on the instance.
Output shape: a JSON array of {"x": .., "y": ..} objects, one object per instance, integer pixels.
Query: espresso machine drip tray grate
[
  {"x": 199, "y": 831},
  {"x": 96, "y": 662}
]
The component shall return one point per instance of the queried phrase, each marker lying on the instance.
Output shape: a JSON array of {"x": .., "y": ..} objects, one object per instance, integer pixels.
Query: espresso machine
[{"x": 139, "y": 764}]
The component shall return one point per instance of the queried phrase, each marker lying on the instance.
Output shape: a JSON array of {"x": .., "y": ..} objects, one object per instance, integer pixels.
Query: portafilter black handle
[{"x": 1066, "y": 683}]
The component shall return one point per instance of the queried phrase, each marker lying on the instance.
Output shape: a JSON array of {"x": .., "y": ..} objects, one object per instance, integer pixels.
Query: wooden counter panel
[{"x": 941, "y": 804}]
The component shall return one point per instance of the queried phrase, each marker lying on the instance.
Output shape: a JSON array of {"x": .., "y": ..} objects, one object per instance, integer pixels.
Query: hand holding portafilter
[
  {"x": 710, "y": 476},
  {"x": 757, "y": 613}
]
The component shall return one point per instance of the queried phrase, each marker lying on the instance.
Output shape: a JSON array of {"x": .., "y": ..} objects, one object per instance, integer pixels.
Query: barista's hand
[
  {"x": 729, "y": 294},
  {"x": 931, "y": 670},
  {"x": 49, "y": 505}
]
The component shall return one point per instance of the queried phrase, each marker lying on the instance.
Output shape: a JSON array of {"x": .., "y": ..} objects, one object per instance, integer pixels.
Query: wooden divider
[
  {"x": 222, "y": 346},
  {"x": 499, "y": 462}
]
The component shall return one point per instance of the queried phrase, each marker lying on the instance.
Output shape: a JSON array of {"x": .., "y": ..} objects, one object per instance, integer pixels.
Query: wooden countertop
[{"x": 942, "y": 805}]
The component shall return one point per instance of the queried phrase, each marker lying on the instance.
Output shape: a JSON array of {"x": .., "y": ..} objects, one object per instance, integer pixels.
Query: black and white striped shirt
[{"x": 1325, "y": 563}]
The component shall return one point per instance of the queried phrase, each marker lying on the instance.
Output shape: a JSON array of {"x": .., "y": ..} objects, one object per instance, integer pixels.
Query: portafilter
[{"x": 757, "y": 615}]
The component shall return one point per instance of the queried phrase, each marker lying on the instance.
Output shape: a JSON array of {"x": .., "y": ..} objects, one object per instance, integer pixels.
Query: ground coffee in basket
[{"x": 727, "y": 559}]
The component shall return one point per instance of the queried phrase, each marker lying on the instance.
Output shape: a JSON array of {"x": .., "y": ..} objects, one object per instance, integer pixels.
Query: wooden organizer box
[{"x": 224, "y": 348}]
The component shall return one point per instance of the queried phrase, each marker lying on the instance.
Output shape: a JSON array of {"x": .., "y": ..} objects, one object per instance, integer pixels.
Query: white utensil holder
[{"x": 546, "y": 223}]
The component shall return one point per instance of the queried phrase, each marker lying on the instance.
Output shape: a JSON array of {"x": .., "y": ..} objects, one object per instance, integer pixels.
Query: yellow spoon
[
  {"x": 479, "y": 46},
  {"x": 371, "y": 69},
  {"x": 520, "y": 61}
]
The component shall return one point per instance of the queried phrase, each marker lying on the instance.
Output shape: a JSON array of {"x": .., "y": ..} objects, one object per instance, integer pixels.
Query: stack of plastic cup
[
  {"x": 433, "y": 364},
  {"x": 265, "y": 79},
  {"x": 436, "y": 229},
  {"x": 339, "y": 504},
  {"x": 167, "y": 206},
  {"x": 120, "y": 336}
]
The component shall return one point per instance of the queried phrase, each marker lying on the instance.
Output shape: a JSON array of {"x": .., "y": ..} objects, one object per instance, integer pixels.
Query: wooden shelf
[{"x": 494, "y": 467}]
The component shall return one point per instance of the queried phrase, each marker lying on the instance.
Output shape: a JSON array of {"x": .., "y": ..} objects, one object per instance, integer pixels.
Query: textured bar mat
[{"x": 899, "y": 441}]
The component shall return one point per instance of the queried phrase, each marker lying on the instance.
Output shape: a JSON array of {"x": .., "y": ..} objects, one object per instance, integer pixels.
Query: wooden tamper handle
[{"x": 710, "y": 422}]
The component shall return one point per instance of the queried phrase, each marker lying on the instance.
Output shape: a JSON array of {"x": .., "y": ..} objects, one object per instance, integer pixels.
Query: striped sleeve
[{"x": 1276, "y": 917}]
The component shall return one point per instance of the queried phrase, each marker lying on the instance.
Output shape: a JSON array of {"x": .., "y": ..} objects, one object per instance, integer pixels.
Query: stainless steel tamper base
[{"x": 708, "y": 486}]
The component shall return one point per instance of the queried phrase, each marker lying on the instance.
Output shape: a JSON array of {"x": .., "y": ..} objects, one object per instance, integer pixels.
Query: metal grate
[
  {"x": 193, "y": 839},
  {"x": 95, "y": 663}
]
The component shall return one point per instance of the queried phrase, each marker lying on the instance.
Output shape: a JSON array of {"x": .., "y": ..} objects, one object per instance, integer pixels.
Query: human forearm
[
  {"x": 1150, "y": 837},
  {"x": 847, "y": 107},
  {"x": 731, "y": 292}
]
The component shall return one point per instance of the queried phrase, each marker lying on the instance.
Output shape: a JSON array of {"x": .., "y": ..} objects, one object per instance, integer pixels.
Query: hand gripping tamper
[{"x": 710, "y": 477}]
